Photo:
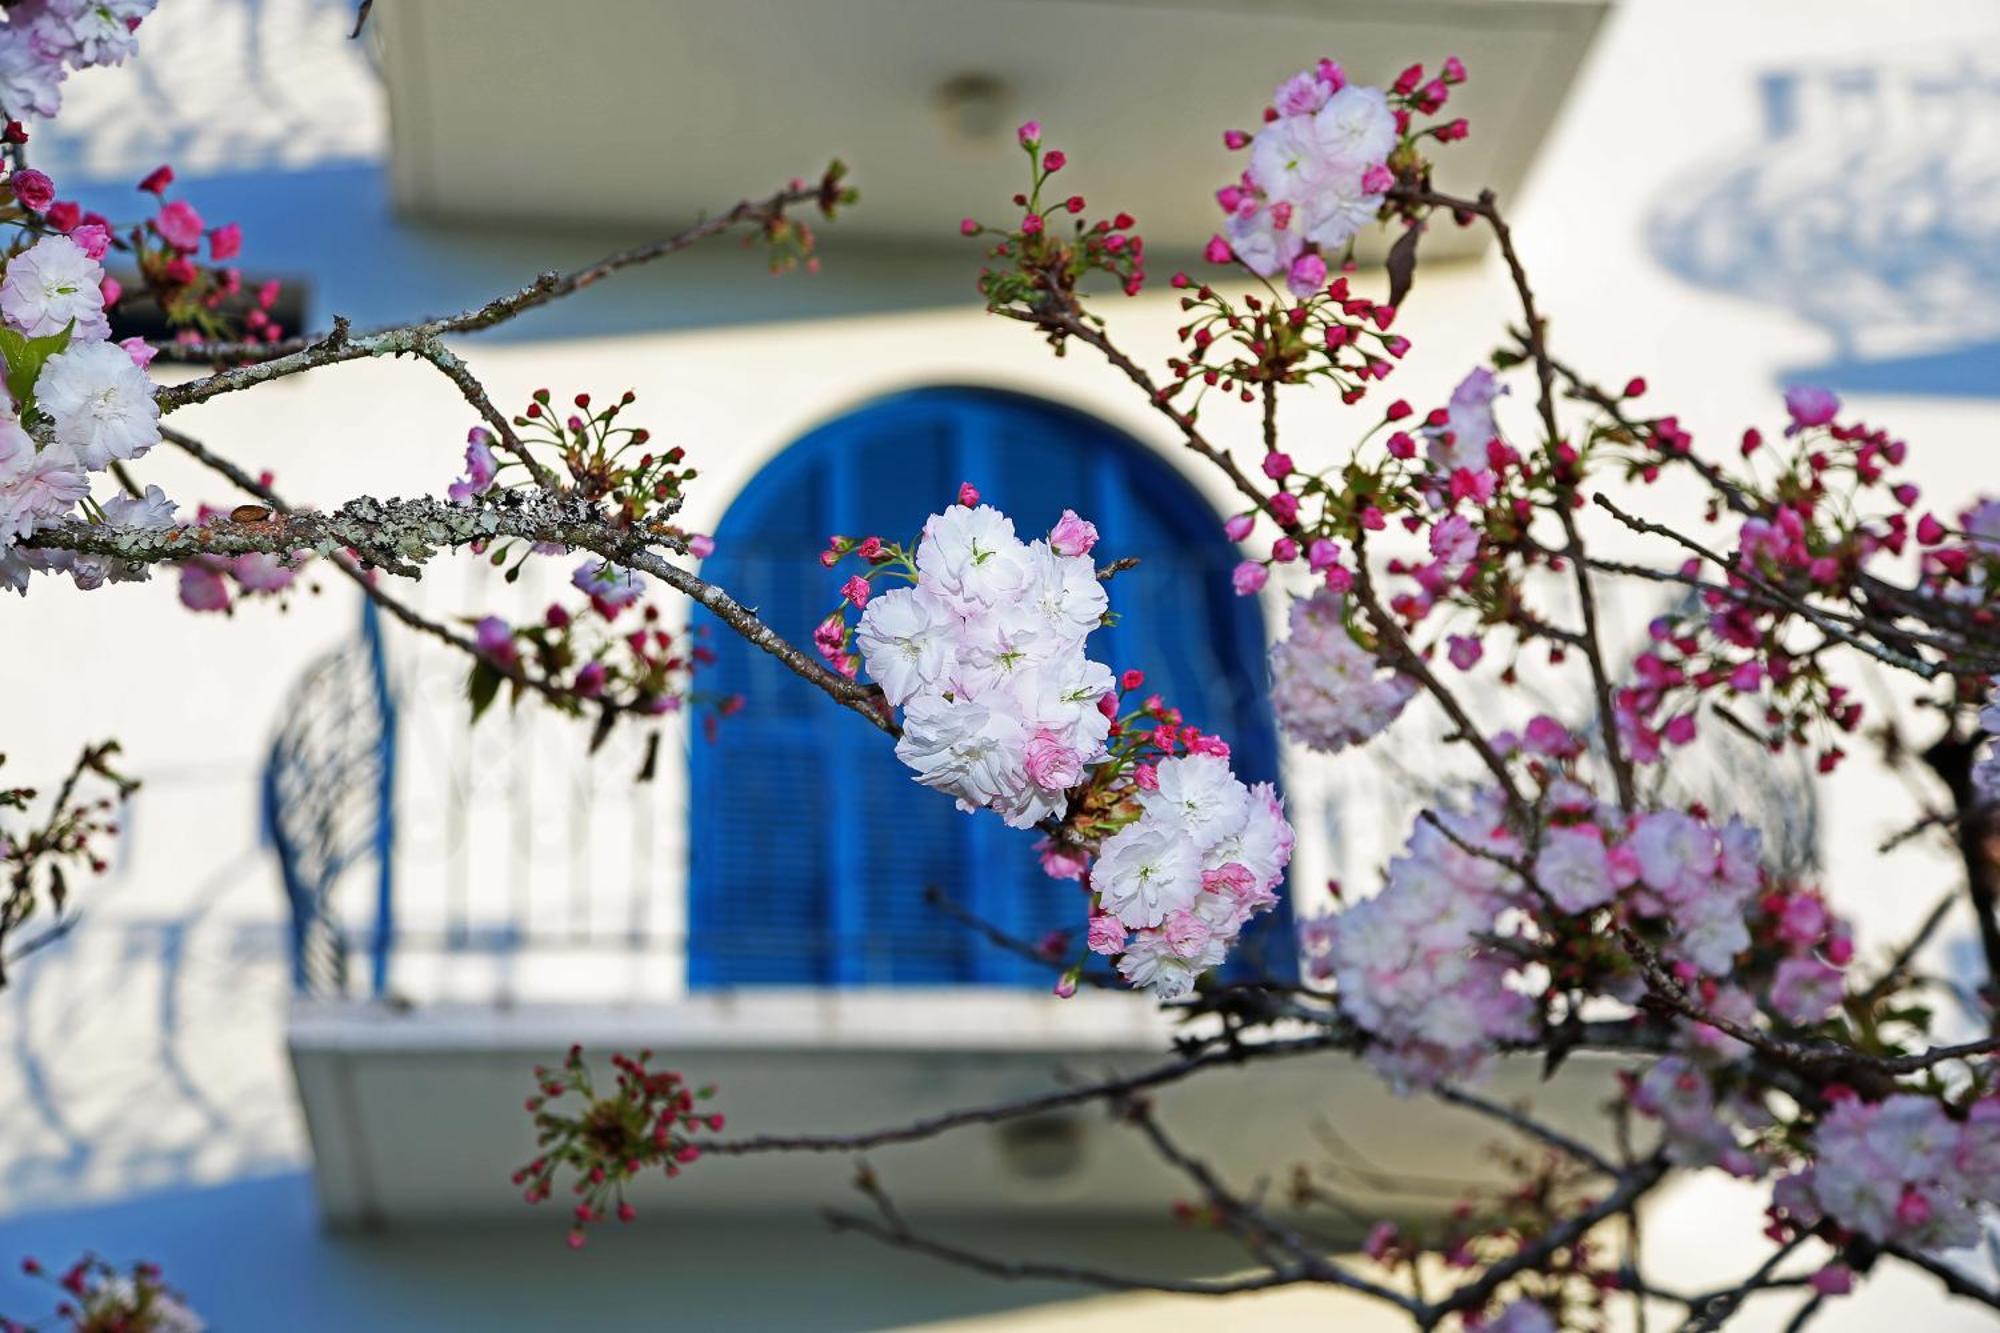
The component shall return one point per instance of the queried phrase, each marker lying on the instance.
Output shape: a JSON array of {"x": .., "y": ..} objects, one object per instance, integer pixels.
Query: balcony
[{"x": 426, "y": 992}]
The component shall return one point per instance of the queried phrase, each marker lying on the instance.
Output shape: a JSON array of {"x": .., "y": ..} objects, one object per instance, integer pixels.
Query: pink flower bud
[
  {"x": 968, "y": 227},
  {"x": 1238, "y": 526},
  {"x": 94, "y": 238},
  {"x": 1029, "y": 134},
  {"x": 1051, "y": 764},
  {"x": 1277, "y": 465},
  {"x": 1249, "y": 577},
  {"x": 855, "y": 590},
  {"x": 1235, "y": 139},
  {"x": 968, "y": 494},
  {"x": 33, "y": 189},
  {"x": 1307, "y": 275},
  {"x": 179, "y": 225},
  {"x": 1217, "y": 251},
  {"x": 1809, "y": 407},
  {"x": 1054, "y": 160},
  {"x": 1072, "y": 535}
]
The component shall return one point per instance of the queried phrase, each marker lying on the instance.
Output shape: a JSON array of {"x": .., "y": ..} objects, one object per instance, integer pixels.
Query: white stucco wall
[{"x": 1671, "y": 99}]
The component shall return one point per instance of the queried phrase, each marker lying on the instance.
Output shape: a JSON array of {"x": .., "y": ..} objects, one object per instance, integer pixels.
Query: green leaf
[
  {"x": 25, "y": 358},
  {"x": 482, "y": 688}
]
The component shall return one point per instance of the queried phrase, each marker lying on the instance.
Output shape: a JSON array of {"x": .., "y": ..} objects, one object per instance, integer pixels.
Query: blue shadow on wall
[
  {"x": 1870, "y": 208},
  {"x": 811, "y": 846}
]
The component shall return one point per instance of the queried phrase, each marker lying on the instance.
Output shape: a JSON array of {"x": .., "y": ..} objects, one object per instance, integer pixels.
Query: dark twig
[
  {"x": 1711, "y": 1312},
  {"x": 1955, "y": 1282},
  {"x": 1171, "y": 1072},
  {"x": 414, "y": 339}
]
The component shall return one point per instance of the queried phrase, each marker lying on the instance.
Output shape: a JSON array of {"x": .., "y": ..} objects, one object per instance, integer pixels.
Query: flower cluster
[
  {"x": 41, "y": 859},
  {"x": 81, "y": 405},
  {"x": 1416, "y": 964},
  {"x": 1899, "y": 1171},
  {"x": 1458, "y": 950},
  {"x": 593, "y": 656},
  {"x": 1680, "y": 1093},
  {"x": 42, "y": 41},
  {"x": 1033, "y": 255},
  {"x": 1321, "y": 169},
  {"x": 604, "y": 460},
  {"x": 1327, "y": 691},
  {"x": 1175, "y": 887},
  {"x": 98, "y": 1297},
  {"x": 984, "y": 654},
  {"x": 644, "y": 1120},
  {"x": 204, "y": 301}
]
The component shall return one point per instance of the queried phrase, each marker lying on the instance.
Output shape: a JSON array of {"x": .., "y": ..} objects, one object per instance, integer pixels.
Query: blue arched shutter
[{"x": 811, "y": 847}]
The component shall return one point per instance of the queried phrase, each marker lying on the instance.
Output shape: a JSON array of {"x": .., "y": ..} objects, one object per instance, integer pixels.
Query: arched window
[{"x": 811, "y": 848}]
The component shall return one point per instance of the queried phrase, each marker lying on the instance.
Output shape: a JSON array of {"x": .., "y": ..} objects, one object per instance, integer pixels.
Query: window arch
[{"x": 810, "y": 846}]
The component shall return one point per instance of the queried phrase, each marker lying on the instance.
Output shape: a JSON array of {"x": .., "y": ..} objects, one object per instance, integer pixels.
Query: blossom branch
[
  {"x": 1818, "y": 1055},
  {"x": 1536, "y": 339},
  {"x": 399, "y": 535},
  {"x": 1914, "y": 665},
  {"x": 259, "y": 365}
]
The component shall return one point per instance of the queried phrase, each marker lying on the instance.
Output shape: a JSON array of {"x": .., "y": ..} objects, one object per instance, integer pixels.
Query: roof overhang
[{"x": 649, "y": 113}]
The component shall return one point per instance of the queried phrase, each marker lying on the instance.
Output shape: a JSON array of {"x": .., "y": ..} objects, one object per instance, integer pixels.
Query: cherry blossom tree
[{"x": 1567, "y": 890}]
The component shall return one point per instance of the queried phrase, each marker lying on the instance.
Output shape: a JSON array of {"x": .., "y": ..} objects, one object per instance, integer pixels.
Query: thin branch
[
  {"x": 1833, "y": 629},
  {"x": 1018, "y": 1270},
  {"x": 400, "y": 534},
  {"x": 1633, "y": 1183},
  {"x": 1250, "y": 1224},
  {"x": 1899, "y": 965},
  {"x": 414, "y": 339},
  {"x": 931, "y": 1126},
  {"x": 1955, "y": 1282},
  {"x": 1545, "y": 374},
  {"x": 1527, "y": 1125},
  {"x": 1711, "y": 1312},
  {"x": 1818, "y": 1054}
]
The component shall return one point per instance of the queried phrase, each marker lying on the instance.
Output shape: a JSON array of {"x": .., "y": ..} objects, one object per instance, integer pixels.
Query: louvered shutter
[{"x": 811, "y": 847}]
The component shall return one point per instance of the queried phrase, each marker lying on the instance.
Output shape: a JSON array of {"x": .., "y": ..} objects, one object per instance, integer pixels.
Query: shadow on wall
[
  {"x": 251, "y": 1254},
  {"x": 1870, "y": 208}
]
